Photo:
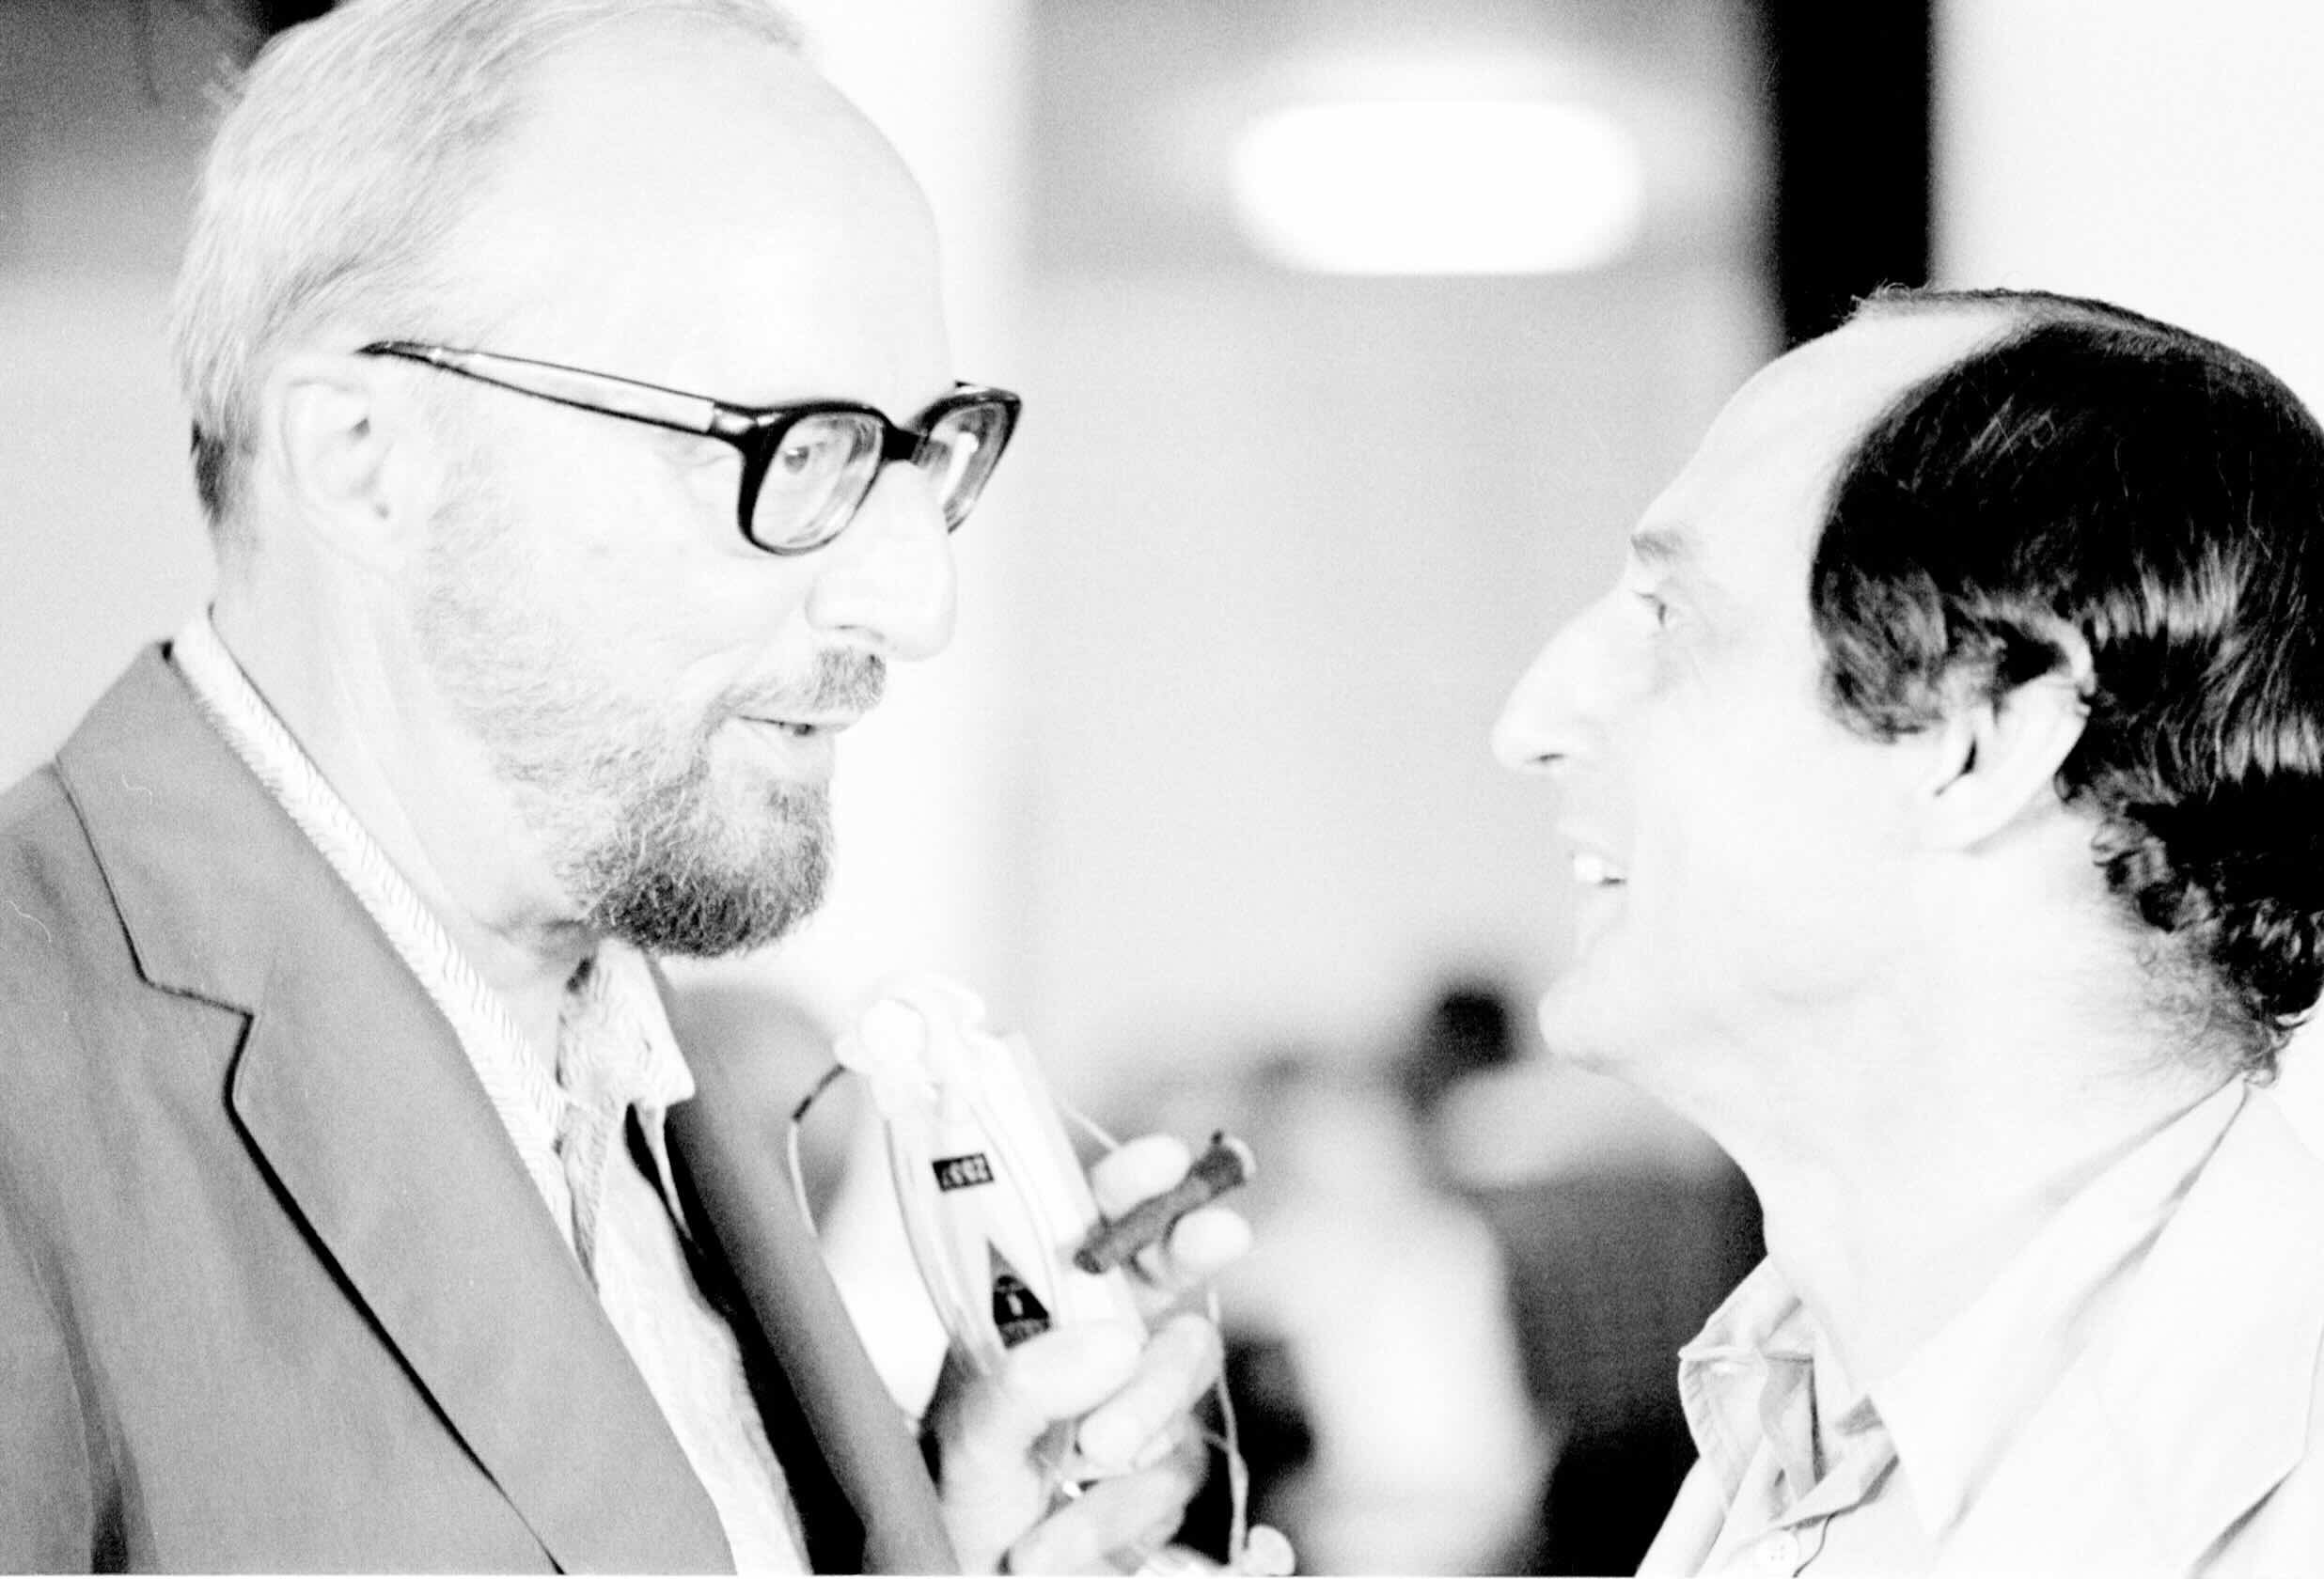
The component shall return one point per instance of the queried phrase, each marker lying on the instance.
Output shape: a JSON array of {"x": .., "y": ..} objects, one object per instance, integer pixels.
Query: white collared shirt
[
  {"x": 1818, "y": 1476},
  {"x": 616, "y": 1056}
]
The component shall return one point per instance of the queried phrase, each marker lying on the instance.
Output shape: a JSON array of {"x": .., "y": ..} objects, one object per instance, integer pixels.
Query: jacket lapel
[
  {"x": 724, "y": 1146},
  {"x": 354, "y": 1094},
  {"x": 2156, "y": 1443}
]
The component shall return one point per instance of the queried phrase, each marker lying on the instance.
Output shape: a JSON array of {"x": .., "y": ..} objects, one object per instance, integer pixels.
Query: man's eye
[
  {"x": 807, "y": 456},
  {"x": 1657, "y": 608}
]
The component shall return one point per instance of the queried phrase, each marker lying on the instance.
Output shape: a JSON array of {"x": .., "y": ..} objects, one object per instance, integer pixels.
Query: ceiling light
[{"x": 1439, "y": 187}]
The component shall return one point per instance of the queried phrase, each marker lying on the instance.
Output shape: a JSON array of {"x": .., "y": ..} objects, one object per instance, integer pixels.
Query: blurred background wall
[
  {"x": 1201, "y": 797},
  {"x": 2165, "y": 155},
  {"x": 1292, "y": 534}
]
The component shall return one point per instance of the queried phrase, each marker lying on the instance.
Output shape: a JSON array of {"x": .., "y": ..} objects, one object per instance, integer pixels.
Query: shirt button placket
[{"x": 1780, "y": 1553}]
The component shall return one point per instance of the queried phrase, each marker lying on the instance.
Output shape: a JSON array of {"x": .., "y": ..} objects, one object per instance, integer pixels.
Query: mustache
[{"x": 842, "y": 681}]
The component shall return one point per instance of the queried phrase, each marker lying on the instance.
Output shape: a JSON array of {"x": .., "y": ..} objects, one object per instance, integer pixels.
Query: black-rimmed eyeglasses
[{"x": 806, "y": 468}]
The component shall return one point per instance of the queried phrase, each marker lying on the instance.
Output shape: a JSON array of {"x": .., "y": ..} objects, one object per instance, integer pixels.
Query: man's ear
[
  {"x": 1995, "y": 760},
  {"x": 338, "y": 437}
]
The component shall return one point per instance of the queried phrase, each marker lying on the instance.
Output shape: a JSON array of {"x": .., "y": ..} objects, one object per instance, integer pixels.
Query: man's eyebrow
[{"x": 1662, "y": 547}]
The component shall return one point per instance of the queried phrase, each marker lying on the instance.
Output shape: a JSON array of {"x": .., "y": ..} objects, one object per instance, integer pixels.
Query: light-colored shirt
[
  {"x": 1819, "y": 1475},
  {"x": 617, "y": 1064}
]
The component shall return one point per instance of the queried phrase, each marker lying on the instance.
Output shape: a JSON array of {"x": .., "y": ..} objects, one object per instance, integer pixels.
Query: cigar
[{"x": 1223, "y": 1164}]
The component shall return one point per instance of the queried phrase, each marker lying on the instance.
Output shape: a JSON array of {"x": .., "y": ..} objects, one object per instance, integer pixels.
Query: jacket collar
[
  {"x": 2193, "y": 1407},
  {"x": 353, "y": 1092}
]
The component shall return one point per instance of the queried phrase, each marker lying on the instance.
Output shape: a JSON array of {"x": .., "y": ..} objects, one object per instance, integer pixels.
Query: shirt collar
[
  {"x": 1759, "y": 1333},
  {"x": 1762, "y": 1378},
  {"x": 615, "y": 1046}
]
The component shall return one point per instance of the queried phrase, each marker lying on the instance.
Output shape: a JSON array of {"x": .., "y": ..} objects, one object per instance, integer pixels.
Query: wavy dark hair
[{"x": 2095, "y": 471}]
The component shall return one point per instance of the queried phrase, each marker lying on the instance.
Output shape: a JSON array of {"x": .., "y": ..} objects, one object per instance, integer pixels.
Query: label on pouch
[
  {"x": 1017, "y": 1311},
  {"x": 958, "y": 1173}
]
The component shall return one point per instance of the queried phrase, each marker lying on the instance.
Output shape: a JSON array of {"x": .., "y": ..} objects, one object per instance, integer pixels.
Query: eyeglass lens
[{"x": 828, "y": 460}]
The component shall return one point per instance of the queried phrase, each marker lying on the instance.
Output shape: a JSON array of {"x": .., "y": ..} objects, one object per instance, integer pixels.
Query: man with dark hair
[
  {"x": 574, "y": 414},
  {"x": 1944, "y": 778}
]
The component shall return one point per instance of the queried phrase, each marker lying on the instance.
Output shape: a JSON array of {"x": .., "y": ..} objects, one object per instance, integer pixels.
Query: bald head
[
  {"x": 359, "y": 144},
  {"x": 706, "y": 213}
]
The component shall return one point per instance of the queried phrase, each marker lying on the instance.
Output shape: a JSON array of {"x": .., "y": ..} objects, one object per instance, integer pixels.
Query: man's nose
[
  {"x": 1566, "y": 688},
  {"x": 887, "y": 584}
]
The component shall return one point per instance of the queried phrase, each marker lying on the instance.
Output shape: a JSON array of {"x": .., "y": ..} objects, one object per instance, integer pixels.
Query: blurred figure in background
[
  {"x": 1455, "y": 1355},
  {"x": 1382, "y": 1304},
  {"x": 1943, "y": 778},
  {"x": 1621, "y": 1226}
]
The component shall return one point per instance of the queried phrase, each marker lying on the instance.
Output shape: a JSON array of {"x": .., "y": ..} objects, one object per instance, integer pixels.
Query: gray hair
[{"x": 355, "y": 144}]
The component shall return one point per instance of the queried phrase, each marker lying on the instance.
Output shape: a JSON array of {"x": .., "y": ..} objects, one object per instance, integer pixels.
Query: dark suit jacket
[{"x": 274, "y": 1290}]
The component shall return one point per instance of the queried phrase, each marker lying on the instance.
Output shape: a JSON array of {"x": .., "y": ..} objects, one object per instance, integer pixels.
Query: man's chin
[
  {"x": 705, "y": 925},
  {"x": 699, "y": 911}
]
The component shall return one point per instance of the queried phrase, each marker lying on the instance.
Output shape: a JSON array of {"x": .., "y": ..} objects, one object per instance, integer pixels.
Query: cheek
[
  {"x": 1745, "y": 804},
  {"x": 1776, "y": 862},
  {"x": 736, "y": 623},
  {"x": 671, "y": 601}
]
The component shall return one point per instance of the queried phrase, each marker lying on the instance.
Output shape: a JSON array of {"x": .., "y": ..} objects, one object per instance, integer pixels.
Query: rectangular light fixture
[{"x": 1439, "y": 187}]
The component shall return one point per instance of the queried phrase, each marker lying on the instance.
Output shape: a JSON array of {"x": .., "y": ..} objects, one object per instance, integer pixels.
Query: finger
[
  {"x": 1140, "y": 1169},
  {"x": 991, "y": 1422},
  {"x": 1116, "y": 1524},
  {"x": 994, "y": 1471},
  {"x": 1147, "y": 1413},
  {"x": 1200, "y": 1245}
]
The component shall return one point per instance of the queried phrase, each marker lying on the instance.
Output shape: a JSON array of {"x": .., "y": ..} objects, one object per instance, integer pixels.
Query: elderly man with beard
[
  {"x": 1943, "y": 778},
  {"x": 574, "y": 410}
]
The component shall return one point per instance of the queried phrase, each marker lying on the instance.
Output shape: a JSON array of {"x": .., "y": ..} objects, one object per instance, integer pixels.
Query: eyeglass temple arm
[{"x": 573, "y": 387}]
